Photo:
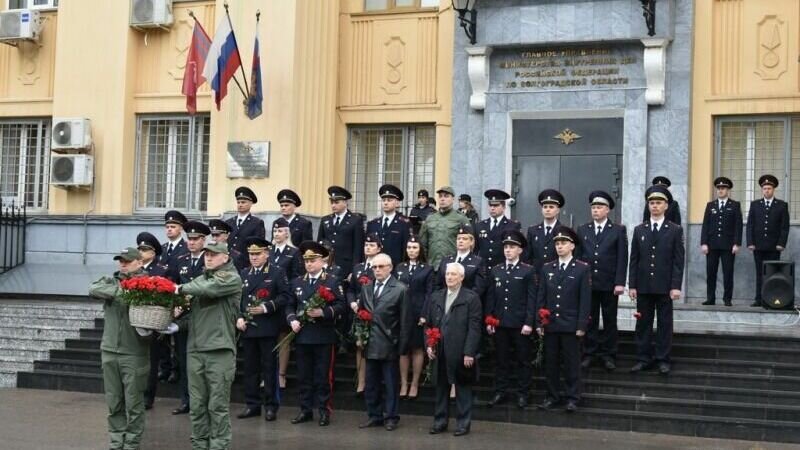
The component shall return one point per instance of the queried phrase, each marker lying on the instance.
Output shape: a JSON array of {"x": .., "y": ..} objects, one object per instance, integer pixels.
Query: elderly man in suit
[
  {"x": 387, "y": 300},
  {"x": 456, "y": 313}
]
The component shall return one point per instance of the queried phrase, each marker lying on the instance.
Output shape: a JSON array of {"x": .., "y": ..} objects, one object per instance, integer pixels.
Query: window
[
  {"x": 403, "y": 156},
  {"x": 172, "y": 163},
  {"x": 33, "y": 4},
  {"x": 750, "y": 147},
  {"x": 25, "y": 162},
  {"x": 385, "y": 5}
]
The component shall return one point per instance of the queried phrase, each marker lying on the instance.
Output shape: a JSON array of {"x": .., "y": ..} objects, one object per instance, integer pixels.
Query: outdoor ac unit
[
  {"x": 71, "y": 170},
  {"x": 151, "y": 13},
  {"x": 19, "y": 24},
  {"x": 71, "y": 133}
]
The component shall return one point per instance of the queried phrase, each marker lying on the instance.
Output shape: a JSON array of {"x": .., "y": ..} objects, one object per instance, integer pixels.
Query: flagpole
[
  {"x": 247, "y": 88},
  {"x": 191, "y": 14}
]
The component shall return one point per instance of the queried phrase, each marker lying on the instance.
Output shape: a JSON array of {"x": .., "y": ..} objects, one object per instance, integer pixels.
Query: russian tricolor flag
[{"x": 223, "y": 60}]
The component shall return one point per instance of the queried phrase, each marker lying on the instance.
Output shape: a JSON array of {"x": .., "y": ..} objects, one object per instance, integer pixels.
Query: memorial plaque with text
[{"x": 248, "y": 159}]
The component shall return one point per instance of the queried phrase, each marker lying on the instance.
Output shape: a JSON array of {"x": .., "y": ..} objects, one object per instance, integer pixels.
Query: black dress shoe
[
  {"x": 756, "y": 304},
  {"x": 609, "y": 365},
  {"x": 324, "y": 419},
  {"x": 638, "y": 367},
  {"x": 547, "y": 404},
  {"x": 461, "y": 432},
  {"x": 522, "y": 401},
  {"x": 249, "y": 412},
  {"x": 497, "y": 399},
  {"x": 391, "y": 425},
  {"x": 270, "y": 415},
  {"x": 183, "y": 409},
  {"x": 437, "y": 429},
  {"x": 148, "y": 405},
  {"x": 371, "y": 423},
  {"x": 586, "y": 363},
  {"x": 571, "y": 407},
  {"x": 708, "y": 303},
  {"x": 728, "y": 303},
  {"x": 663, "y": 368},
  {"x": 302, "y": 417},
  {"x": 173, "y": 378}
]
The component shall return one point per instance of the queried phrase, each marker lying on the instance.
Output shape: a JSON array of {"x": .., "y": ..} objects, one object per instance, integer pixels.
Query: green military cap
[
  {"x": 128, "y": 254},
  {"x": 446, "y": 190},
  {"x": 216, "y": 247}
]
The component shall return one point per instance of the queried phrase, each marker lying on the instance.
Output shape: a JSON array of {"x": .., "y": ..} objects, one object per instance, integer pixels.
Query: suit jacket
[
  {"x": 347, "y": 239},
  {"x": 169, "y": 262},
  {"x": 606, "y": 253},
  {"x": 289, "y": 260},
  {"x": 461, "y": 329},
  {"x": 273, "y": 279},
  {"x": 768, "y": 229},
  {"x": 474, "y": 273},
  {"x": 722, "y": 229},
  {"x": 511, "y": 296},
  {"x": 301, "y": 230},
  {"x": 322, "y": 330},
  {"x": 252, "y": 226},
  {"x": 567, "y": 294},
  {"x": 489, "y": 243},
  {"x": 673, "y": 213},
  {"x": 394, "y": 237},
  {"x": 656, "y": 265},
  {"x": 420, "y": 286},
  {"x": 392, "y": 321},
  {"x": 541, "y": 248}
]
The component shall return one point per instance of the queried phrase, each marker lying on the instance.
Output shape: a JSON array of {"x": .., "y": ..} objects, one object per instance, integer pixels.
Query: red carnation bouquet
[
  {"x": 361, "y": 327},
  {"x": 364, "y": 280},
  {"x": 432, "y": 337},
  {"x": 324, "y": 296},
  {"x": 637, "y": 315},
  {"x": 492, "y": 321},
  {"x": 149, "y": 291},
  {"x": 544, "y": 316},
  {"x": 257, "y": 299},
  {"x": 544, "y": 320}
]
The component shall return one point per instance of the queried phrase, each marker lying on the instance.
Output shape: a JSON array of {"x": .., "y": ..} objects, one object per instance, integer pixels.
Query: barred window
[
  {"x": 386, "y": 5},
  {"x": 751, "y": 147},
  {"x": 403, "y": 156},
  {"x": 25, "y": 162},
  {"x": 172, "y": 163}
]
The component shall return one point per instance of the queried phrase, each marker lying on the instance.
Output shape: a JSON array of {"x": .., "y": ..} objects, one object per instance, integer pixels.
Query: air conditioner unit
[
  {"x": 71, "y": 133},
  {"x": 19, "y": 24},
  {"x": 71, "y": 170},
  {"x": 151, "y": 13},
  {"x": 40, "y": 4}
]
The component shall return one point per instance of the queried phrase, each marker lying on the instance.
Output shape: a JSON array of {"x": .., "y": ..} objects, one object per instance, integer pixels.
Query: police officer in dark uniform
[
  {"x": 655, "y": 276},
  {"x": 720, "y": 239},
  {"x": 421, "y": 210},
  {"x": 301, "y": 228},
  {"x": 540, "y": 237},
  {"x": 344, "y": 229},
  {"x": 490, "y": 232},
  {"x": 315, "y": 340},
  {"x": 767, "y": 229},
  {"x": 511, "y": 299},
  {"x": 465, "y": 207},
  {"x": 244, "y": 225},
  {"x": 150, "y": 250},
  {"x": 220, "y": 232},
  {"x": 474, "y": 266},
  {"x": 190, "y": 265},
  {"x": 393, "y": 227},
  {"x": 673, "y": 213},
  {"x": 284, "y": 254},
  {"x": 604, "y": 245},
  {"x": 265, "y": 294},
  {"x": 564, "y": 291},
  {"x": 175, "y": 245}
]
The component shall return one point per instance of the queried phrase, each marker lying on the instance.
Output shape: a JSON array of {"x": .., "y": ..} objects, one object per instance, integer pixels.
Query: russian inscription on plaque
[{"x": 248, "y": 159}]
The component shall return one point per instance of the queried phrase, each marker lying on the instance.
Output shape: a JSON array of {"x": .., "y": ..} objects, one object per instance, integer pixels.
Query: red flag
[{"x": 195, "y": 62}]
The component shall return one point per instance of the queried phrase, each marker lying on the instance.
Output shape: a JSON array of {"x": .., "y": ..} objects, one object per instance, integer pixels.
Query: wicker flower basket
[{"x": 150, "y": 317}]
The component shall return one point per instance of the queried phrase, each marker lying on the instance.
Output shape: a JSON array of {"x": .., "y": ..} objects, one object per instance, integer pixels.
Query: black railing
[{"x": 12, "y": 236}]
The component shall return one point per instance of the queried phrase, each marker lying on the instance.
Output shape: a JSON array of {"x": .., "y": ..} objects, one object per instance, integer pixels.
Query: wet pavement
[{"x": 56, "y": 420}]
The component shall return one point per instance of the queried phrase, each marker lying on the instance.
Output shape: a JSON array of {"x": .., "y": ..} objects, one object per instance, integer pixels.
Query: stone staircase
[
  {"x": 30, "y": 329},
  {"x": 729, "y": 386}
]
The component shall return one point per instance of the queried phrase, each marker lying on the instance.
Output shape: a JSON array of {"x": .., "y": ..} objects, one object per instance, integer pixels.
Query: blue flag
[{"x": 255, "y": 96}]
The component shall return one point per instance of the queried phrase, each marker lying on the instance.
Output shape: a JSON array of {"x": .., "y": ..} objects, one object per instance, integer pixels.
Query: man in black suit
[
  {"x": 604, "y": 245},
  {"x": 387, "y": 300},
  {"x": 315, "y": 340},
  {"x": 673, "y": 213},
  {"x": 150, "y": 250},
  {"x": 344, "y": 229},
  {"x": 511, "y": 299},
  {"x": 244, "y": 225},
  {"x": 393, "y": 227},
  {"x": 490, "y": 232},
  {"x": 767, "y": 229},
  {"x": 265, "y": 294},
  {"x": 540, "y": 237},
  {"x": 655, "y": 277},
  {"x": 175, "y": 245},
  {"x": 720, "y": 239},
  {"x": 456, "y": 312},
  {"x": 565, "y": 292},
  {"x": 301, "y": 228}
]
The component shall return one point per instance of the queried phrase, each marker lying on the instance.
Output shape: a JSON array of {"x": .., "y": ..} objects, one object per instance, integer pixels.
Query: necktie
[
  {"x": 367, "y": 267},
  {"x": 194, "y": 261},
  {"x": 599, "y": 229},
  {"x": 277, "y": 253},
  {"x": 169, "y": 250},
  {"x": 768, "y": 203},
  {"x": 547, "y": 230},
  {"x": 494, "y": 224},
  {"x": 239, "y": 223},
  {"x": 563, "y": 266},
  {"x": 458, "y": 260},
  {"x": 311, "y": 281},
  {"x": 655, "y": 227},
  {"x": 385, "y": 223},
  {"x": 721, "y": 205},
  {"x": 411, "y": 267},
  {"x": 336, "y": 222},
  {"x": 508, "y": 267},
  {"x": 378, "y": 287}
]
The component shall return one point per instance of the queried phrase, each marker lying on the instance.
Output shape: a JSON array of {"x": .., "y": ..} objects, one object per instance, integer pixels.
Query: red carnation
[
  {"x": 433, "y": 336},
  {"x": 364, "y": 315},
  {"x": 637, "y": 315},
  {"x": 363, "y": 280},
  {"x": 492, "y": 321},
  {"x": 544, "y": 316},
  {"x": 326, "y": 294},
  {"x": 262, "y": 293}
]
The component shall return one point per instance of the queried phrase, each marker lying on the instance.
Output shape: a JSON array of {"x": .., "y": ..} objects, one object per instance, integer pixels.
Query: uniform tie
[
  {"x": 169, "y": 250},
  {"x": 547, "y": 230},
  {"x": 385, "y": 223},
  {"x": 336, "y": 222},
  {"x": 721, "y": 205},
  {"x": 239, "y": 223},
  {"x": 458, "y": 260},
  {"x": 494, "y": 224},
  {"x": 194, "y": 261},
  {"x": 563, "y": 266},
  {"x": 311, "y": 281},
  {"x": 599, "y": 229},
  {"x": 655, "y": 227}
]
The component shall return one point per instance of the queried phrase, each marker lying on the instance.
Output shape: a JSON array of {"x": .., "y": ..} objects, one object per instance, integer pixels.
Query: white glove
[
  {"x": 143, "y": 331},
  {"x": 171, "y": 329}
]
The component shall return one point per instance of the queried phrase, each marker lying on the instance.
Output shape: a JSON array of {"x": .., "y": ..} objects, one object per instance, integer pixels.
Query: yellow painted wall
[
  {"x": 325, "y": 65},
  {"x": 745, "y": 62}
]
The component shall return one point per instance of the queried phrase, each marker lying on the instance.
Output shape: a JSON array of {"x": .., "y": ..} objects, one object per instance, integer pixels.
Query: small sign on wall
[{"x": 248, "y": 159}]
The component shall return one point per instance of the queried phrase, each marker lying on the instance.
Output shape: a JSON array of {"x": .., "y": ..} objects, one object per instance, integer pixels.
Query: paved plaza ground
[{"x": 55, "y": 420}]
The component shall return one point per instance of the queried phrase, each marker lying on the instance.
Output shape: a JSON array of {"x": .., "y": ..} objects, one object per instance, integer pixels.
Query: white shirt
[
  {"x": 550, "y": 224},
  {"x": 600, "y": 224},
  {"x": 564, "y": 261},
  {"x": 241, "y": 218},
  {"x": 290, "y": 218},
  {"x": 659, "y": 222},
  {"x": 721, "y": 202},
  {"x": 388, "y": 216},
  {"x": 768, "y": 201},
  {"x": 175, "y": 242},
  {"x": 280, "y": 248},
  {"x": 340, "y": 217},
  {"x": 512, "y": 263},
  {"x": 463, "y": 256}
]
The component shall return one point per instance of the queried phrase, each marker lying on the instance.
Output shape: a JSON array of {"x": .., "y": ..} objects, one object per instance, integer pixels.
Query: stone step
[
  {"x": 76, "y": 323},
  {"x": 26, "y": 331},
  {"x": 29, "y": 355},
  {"x": 38, "y": 344},
  {"x": 38, "y": 309},
  {"x": 8, "y": 379},
  {"x": 13, "y": 365}
]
